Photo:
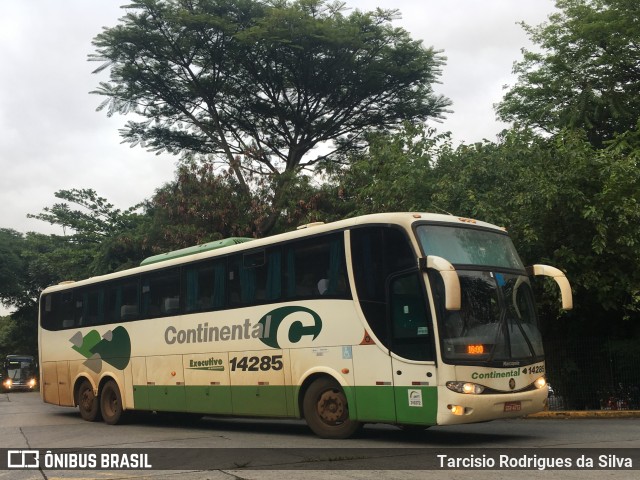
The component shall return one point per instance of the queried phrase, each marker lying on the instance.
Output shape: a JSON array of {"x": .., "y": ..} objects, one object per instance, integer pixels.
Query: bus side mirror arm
[
  {"x": 449, "y": 277},
  {"x": 559, "y": 277}
]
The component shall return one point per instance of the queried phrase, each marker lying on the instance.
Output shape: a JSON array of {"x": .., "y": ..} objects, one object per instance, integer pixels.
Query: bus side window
[
  {"x": 122, "y": 302},
  {"x": 273, "y": 273},
  {"x": 236, "y": 290},
  {"x": 205, "y": 286},
  {"x": 255, "y": 277},
  {"x": 252, "y": 277},
  {"x": 46, "y": 317},
  {"x": 378, "y": 253},
  {"x": 90, "y": 306},
  {"x": 67, "y": 310},
  {"x": 316, "y": 268},
  {"x": 50, "y": 311},
  {"x": 160, "y": 293}
]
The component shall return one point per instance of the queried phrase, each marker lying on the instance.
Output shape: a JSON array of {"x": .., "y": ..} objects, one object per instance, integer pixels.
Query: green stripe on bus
[
  {"x": 423, "y": 410},
  {"x": 263, "y": 400},
  {"x": 375, "y": 403},
  {"x": 369, "y": 403}
]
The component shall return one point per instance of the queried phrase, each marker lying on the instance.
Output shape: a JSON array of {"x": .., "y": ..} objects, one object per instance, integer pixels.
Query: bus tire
[
  {"x": 88, "y": 403},
  {"x": 326, "y": 410},
  {"x": 111, "y": 404}
]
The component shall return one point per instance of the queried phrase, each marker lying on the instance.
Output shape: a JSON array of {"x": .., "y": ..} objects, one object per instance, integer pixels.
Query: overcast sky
[{"x": 51, "y": 137}]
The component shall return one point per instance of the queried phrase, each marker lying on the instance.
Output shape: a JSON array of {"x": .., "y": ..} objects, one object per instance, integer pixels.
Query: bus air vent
[{"x": 205, "y": 247}]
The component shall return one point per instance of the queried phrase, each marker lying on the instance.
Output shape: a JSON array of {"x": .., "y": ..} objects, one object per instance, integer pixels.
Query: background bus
[
  {"x": 19, "y": 372},
  {"x": 411, "y": 319}
]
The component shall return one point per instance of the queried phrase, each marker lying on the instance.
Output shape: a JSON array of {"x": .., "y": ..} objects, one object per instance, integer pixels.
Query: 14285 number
[{"x": 255, "y": 364}]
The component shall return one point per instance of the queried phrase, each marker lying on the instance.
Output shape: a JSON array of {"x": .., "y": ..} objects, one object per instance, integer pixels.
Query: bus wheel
[
  {"x": 326, "y": 410},
  {"x": 111, "y": 404},
  {"x": 87, "y": 402}
]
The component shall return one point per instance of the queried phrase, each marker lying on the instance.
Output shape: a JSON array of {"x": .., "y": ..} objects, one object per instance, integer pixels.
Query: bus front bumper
[{"x": 457, "y": 408}]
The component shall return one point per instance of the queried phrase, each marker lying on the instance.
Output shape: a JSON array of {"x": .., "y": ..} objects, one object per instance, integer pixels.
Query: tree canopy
[
  {"x": 257, "y": 85},
  {"x": 585, "y": 72}
]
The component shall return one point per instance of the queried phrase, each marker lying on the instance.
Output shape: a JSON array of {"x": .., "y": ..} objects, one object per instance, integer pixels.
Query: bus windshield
[
  {"x": 469, "y": 246},
  {"x": 497, "y": 322}
]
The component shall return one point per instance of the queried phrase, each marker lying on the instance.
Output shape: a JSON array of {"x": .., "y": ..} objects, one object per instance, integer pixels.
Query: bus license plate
[{"x": 512, "y": 406}]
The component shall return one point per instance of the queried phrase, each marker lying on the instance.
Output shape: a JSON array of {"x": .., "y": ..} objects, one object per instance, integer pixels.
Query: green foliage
[
  {"x": 202, "y": 205},
  {"x": 395, "y": 174},
  {"x": 563, "y": 201},
  {"x": 615, "y": 213},
  {"x": 586, "y": 74},
  {"x": 17, "y": 336},
  {"x": 7, "y": 336},
  {"x": 95, "y": 221},
  {"x": 23, "y": 276},
  {"x": 198, "y": 206},
  {"x": 94, "y": 234},
  {"x": 258, "y": 85},
  {"x": 11, "y": 281}
]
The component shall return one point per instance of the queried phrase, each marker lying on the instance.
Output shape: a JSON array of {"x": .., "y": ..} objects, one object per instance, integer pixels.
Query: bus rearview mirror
[
  {"x": 559, "y": 277},
  {"x": 449, "y": 277}
]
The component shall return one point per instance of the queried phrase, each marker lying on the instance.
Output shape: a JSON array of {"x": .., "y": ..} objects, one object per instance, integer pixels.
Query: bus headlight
[
  {"x": 32, "y": 383},
  {"x": 540, "y": 382},
  {"x": 465, "y": 387},
  {"x": 7, "y": 383}
]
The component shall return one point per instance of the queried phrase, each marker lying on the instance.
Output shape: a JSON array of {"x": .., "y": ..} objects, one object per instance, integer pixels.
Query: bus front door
[
  {"x": 416, "y": 393},
  {"x": 413, "y": 358}
]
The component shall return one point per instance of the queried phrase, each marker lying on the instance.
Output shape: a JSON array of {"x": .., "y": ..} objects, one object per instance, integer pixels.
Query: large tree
[
  {"x": 585, "y": 72},
  {"x": 258, "y": 85},
  {"x": 97, "y": 239}
]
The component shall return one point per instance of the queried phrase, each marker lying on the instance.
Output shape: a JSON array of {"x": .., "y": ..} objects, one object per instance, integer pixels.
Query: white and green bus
[{"x": 411, "y": 319}]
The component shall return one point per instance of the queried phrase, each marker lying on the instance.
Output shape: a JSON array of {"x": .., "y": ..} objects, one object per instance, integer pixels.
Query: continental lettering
[
  {"x": 494, "y": 374},
  {"x": 204, "y": 333}
]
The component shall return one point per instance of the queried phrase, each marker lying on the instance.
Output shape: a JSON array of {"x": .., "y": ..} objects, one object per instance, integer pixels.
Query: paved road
[{"x": 27, "y": 423}]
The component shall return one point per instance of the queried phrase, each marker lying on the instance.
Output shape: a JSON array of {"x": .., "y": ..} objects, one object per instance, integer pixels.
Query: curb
[{"x": 587, "y": 414}]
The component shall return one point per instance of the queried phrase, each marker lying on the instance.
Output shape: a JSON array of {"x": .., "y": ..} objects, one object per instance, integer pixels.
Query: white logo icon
[{"x": 23, "y": 459}]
